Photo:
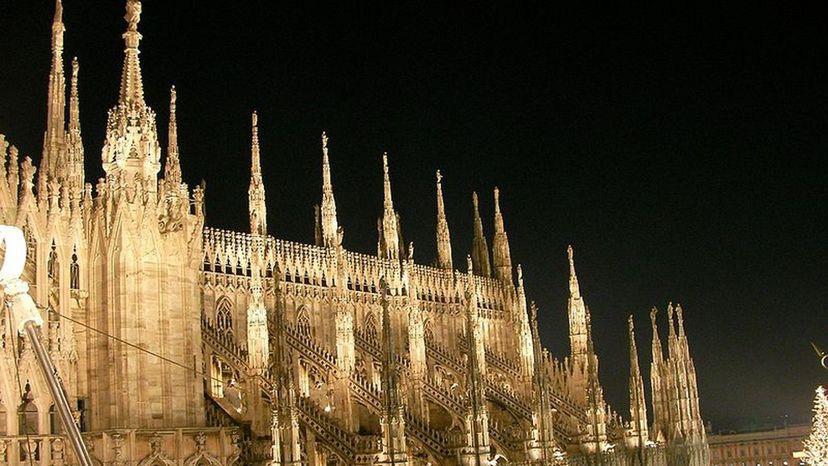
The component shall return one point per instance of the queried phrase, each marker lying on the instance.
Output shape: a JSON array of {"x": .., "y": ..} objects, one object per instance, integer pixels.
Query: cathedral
[{"x": 182, "y": 344}]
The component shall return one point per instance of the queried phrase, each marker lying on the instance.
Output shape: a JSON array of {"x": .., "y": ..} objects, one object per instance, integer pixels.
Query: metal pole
[{"x": 58, "y": 395}]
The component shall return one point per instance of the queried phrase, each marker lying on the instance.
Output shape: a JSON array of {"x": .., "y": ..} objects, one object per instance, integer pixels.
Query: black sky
[{"x": 677, "y": 150}]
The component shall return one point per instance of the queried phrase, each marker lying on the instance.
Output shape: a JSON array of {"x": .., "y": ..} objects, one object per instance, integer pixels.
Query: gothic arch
[
  {"x": 428, "y": 334},
  {"x": 370, "y": 328},
  {"x": 303, "y": 324},
  {"x": 224, "y": 316}
]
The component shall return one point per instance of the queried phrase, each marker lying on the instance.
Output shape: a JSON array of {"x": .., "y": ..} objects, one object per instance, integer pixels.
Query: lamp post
[{"x": 23, "y": 311}]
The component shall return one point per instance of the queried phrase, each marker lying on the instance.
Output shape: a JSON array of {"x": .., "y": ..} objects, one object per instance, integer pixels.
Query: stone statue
[{"x": 133, "y": 14}]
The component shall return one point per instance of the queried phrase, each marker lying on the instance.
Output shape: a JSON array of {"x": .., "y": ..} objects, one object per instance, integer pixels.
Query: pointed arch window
[
  {"x": 52, "y": 266},
  {"x": 371, "y": 328},
  {"x": 27, "y": 414},
  {"x": 74, "y": 271},
  {"x": 224, "y": 316},
  {"x": 303, "y": 325}
]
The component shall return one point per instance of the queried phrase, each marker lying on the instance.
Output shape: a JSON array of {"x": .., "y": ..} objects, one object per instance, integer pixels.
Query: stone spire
[
  {"x": 54, "y": 135},
  {"x": 502, "y": 257},
  {"x": 132, "y": 86},
  {"x": 541, "y": 443},
  {"x": 256, "y": 192},
  {"x": 477, "y": 448},
  {"x": 525, "y": 345},
  {"x": 392, "y": 421},
  {"x": 672, "y": 339},
  {"x": 638, "y": 434},
  {"x": 257, "y": 331},
  {"x": 328, "y": 207},
  {"x": 389, "y": 239},
  {"x": 74, "y": 141},
  {"x": 577, "y": 315},
  {"x": 131, "y": 153},
  {"x": 286, "y": 449},
  {"x": 172, "y": 169},
  {"x": 660, "y": 406},
  {"x": 480, "y": 249},
  {"x": 443, "y": 236}
]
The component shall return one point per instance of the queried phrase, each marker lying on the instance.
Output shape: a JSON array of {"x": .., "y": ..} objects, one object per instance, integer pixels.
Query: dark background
[{"x": 677, "y": 150}]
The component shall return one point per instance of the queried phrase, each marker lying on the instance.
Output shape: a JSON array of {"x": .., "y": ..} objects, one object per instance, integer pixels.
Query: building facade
[
  {"x": 184, "y": 344},
  {"x": 775, "y": 447}
]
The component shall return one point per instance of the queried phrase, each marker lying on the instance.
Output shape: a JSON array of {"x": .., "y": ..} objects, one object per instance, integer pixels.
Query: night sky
[{"x": 677, "y": 150}]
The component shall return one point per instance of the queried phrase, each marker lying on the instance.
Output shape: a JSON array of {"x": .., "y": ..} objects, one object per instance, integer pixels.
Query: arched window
[
  {"x": 303, "y": 325},
  {"x": 371, "y": 328},
  {"x": 428, "y": 335},
  {"x": 224, "y": 316},
  {"x": 74, "y": 271},
  {"x": 27, "y": 414},
  {"x": 52, "y": 265},
  {"x": 55, "y": 425}
]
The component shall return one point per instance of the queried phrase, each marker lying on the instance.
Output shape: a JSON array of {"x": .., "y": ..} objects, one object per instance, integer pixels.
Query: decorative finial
[
  {"x": 172, "y": 97},
  {"x": 324, "y": 140},
  {"x": 520, "y": 275},
  {"x": 469, "y": 263},
  {"x": 255, "y": 118},
  {"x": 385, "y": 162},
  {"x": 474, "y": 201},
  {"x": 439, "y": 176},
  {"x": 570, "y": 255},
  {"x": 653, "y": 313},
  {"x": 133, "y": 14}
]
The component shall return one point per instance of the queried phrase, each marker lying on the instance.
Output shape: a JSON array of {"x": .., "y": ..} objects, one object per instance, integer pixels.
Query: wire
[{"x": 132, "y": 345}]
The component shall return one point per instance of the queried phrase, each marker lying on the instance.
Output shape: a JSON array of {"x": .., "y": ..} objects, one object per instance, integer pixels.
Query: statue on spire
[{"x": 133, "y": 14}]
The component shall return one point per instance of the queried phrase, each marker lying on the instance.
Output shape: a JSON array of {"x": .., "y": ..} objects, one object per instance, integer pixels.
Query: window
[
  {"x": 224, "y": 316},
  {"x": 55, "y": 424},
  {"x": 303, "y": 322},
  {"x": 27, "y": 414}
]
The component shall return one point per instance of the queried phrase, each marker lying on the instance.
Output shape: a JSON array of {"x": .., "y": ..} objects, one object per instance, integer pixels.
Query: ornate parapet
[{"x": 190, "y": 446}]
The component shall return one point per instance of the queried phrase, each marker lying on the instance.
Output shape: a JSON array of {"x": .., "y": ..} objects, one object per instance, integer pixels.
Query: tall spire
[
  {"x": 74, "y": 141},
  {"x": 638, "y": 435},
  {"x": 502, "y": 256},
  {"x": 172, "y": 169},
  {"x": 54, "y": 135},
  {"x": 131, "y": 151},
  {"x": 132, "y": 87},
  {"x": 541, "y": 442},
  {"x": 480, "y": 249},
  {"x": 672, "y": 339},
  {"x": 389, "y": 239},
  {"x": 661, "y": 410},
  {"x": 256, "y": 192},
  {"x": 443, "y": 236},
  {"x": 328, "y": 207},
  {"x": 392, "y": 421},
  {"x": 476, "y": 450},
  {"x": 578, "y": 331}
]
